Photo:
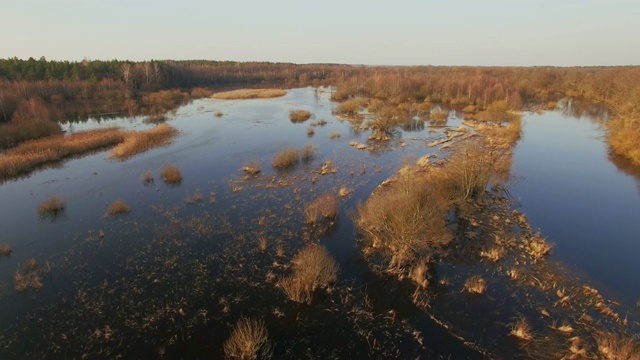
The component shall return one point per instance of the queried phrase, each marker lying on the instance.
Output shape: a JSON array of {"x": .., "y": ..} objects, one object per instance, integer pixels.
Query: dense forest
[{"x": 33, "y": 93}]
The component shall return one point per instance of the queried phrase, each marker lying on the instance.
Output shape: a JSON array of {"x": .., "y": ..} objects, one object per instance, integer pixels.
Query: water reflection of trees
[
  {"x": 581, "y": 108},
  {"x": 625, "y": 166}
]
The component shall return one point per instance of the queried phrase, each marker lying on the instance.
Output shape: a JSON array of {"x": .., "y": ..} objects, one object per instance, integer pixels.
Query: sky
[{"x": 390, "y": 32}]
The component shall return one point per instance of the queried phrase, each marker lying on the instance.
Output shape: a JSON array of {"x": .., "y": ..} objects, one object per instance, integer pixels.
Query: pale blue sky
[{"x": 392, "y": 32}]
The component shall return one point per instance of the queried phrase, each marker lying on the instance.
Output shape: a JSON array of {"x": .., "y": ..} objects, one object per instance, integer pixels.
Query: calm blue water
[{"x": 580, "y": 200}]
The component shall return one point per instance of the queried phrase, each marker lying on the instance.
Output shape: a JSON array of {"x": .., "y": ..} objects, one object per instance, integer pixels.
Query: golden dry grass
[
  {"x": 313, "y": 269},
  {"x": 27, "y": 276},
  {"x": 5, "y": 250},
  {"x": 51, "y": 206},
  {"x": 624, "y": 137},
  {"x": 252, "y": 168},
  {"x": 28, "y": 155},
  {"x": 494, "y": 254},
  {"x": 419, "y": 272},
  {"x": 118, "y": 207},
  {"x": 475, "y": 285},
  {"x": 249, "y": 340},
  {"x": 285, "y": 159},
  {"x": 616, "y": 347},
  {"x": 147, "y": 178},
  {"x": 14, "y": 132},
  {"x": 537, "y": 247},
  {"x": 298, "y": 116},
  {"x": 244, "y": 94},
  {"x": 136, "y": 142},
  {"x": 324, "y": 207},
  {"x": 171, "y": 174},
  {"x": 334, "y": 135},
  {"x": 218, "y": 114},
  {"x": 521, "y": 329}
]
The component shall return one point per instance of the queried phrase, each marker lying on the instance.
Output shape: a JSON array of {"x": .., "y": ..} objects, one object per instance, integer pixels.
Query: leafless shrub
[{"x": 249, "y": 340}]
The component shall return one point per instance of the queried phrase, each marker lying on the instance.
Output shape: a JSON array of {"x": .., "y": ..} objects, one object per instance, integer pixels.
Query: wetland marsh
[{"x": 145, "y": 261}]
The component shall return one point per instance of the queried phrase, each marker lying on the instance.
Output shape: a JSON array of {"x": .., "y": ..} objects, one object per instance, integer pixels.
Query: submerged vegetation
[{"x": 52, "y": 206}]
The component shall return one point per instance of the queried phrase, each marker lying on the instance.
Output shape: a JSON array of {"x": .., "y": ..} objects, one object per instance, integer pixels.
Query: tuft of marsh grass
[
  {"x": 322, "y": 122},
  {"x": 494, "y": 254},
  {"x": 252, "y": 168},
  {"x": 521, "y": 329},
  {"x": 218, "y": 114},
  {"x": 53, "y": 206},
  {"x": 537, "y": 247},
  {"x": 419, "y": 273},
  {"x": 334, "y": 135},
  {"x": 249, "y": 339},
  {"x": 118, "y": 207},
  {"x": 171, "y": 174},
  {"x": 136, "y": 142},
  {"x": 262, "y": 242},
  {"x": 324, "y": 207},
  {"x": 5, "y": 250},
  {"x": 244, "y": 94},
  {"x": 475, "y": 285},
  {"x": 195, "y": 198},
  {"x": 313, "y": 269},
  {"x": 31, "y": 154},
  {"x": 27, "y": 276},
  {"x": 298, "y": 116},
  {"x": 310, "y": 131},
  {"x": 285, "y": 159},
  {"x": 612, "y": 346}
]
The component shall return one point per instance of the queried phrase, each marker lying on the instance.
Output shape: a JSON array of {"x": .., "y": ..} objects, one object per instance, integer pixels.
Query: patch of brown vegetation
[
  {"x": 324, "y": 207},
  {"x": 624, "y": 137},
  {"x": 285, "y": 159},
  {"x": 171, "y": 174},
  {"x": 313, "y": 269},
  {"x": 252, "y": 168},
  {"x": 53, "y": 206},
  {"x": 475, "y": 285},
  {"x": 28, "y": 155},
  {"x": 195, "y": 198},
  {"x": 614, "y": 347},
  {"x": 136, "y": 142},
  {"x": 244, "y": 94},
  {"x": 521, "y": 329},
  {"x": 298, "y": 116},
  {"x": 118, "y": 207},
  {"x": 249, "y": 339}
]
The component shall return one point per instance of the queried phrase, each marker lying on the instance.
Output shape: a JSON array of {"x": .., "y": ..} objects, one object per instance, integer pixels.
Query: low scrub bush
[
  {"x": 298, "y": 116},
  {"x": 171, "y": 174},
  {"x": 285, "y": 159},
  {"x": 118, "y": 207},
  {"x": 313, "y": 269},
  {"x": 249, "y": 339},
  {"x": 53, "y": 206},
  {"x": 324, "y": 207},
  {"x": 5, "y": 250}
]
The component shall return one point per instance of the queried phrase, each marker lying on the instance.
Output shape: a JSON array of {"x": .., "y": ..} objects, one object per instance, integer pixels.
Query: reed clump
[
  {"x": 475, "y": 285},
  {"x": 313, "y": 269},
  {"x": 52, "y": 206},
  {"x": 244, "y": 94},
  {"x": 136, "y": 142},
  {"x": 624, "y": 137},
  {"x": 521, "y": 329},
  {"x": 249, "y": 339},
  {"x": 118, "y": 207},
  {"x": 286, "y": 159},
  {"x": 298, "y": 116},
  {"x": 612, "y": 346},
  {"x": 171, "y": 174},
  {"x": 325, "y": 207},
  {"x": 31, "y": 154}
]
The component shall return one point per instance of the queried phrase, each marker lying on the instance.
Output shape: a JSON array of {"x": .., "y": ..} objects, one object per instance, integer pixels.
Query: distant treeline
[{"x": 55, "y": 90}]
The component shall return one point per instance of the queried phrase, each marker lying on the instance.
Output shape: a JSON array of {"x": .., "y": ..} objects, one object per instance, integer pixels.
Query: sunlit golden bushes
[{"x": 136, "y": 142}]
